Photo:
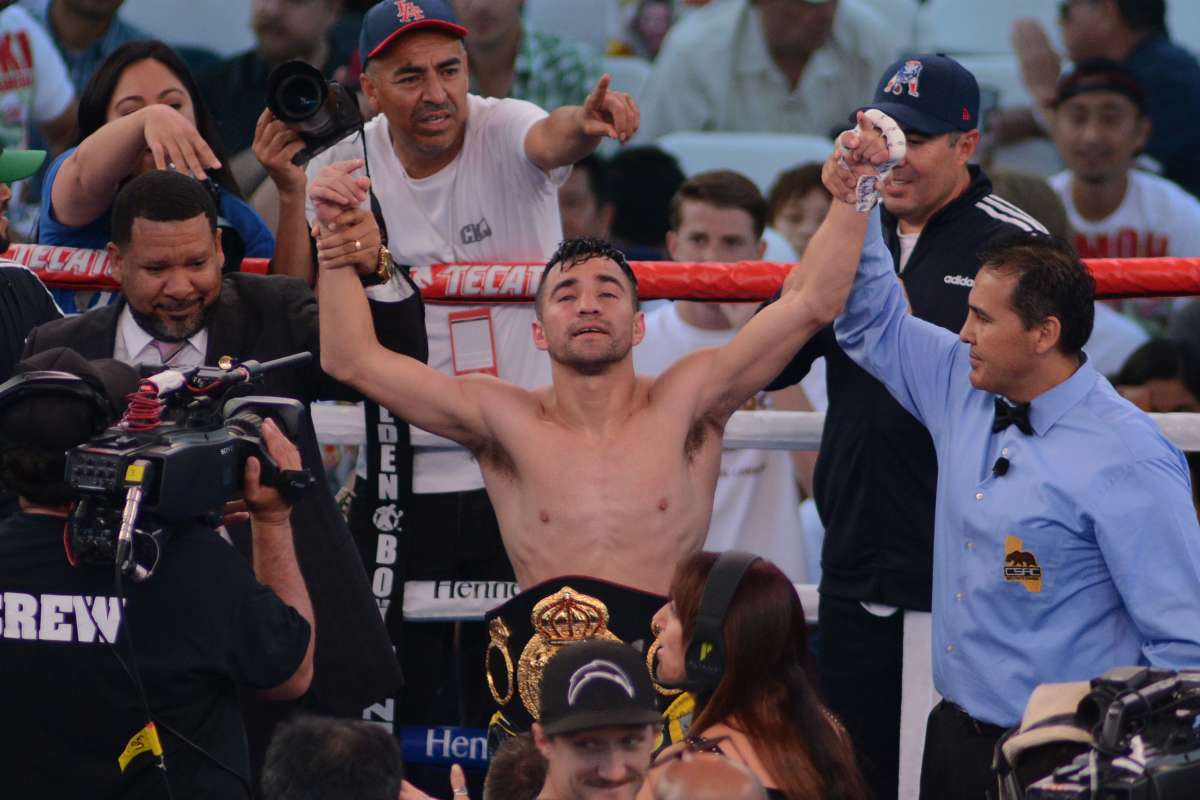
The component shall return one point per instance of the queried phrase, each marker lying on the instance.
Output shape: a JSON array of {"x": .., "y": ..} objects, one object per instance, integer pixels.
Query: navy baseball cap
[
  {"x": 930, "y": 94},
  {"x": 1101, "y": 75},
  {"x": 388, "y": 20}
]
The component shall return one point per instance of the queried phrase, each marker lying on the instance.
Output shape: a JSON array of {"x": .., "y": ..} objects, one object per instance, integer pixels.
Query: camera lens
[
  {"x": 296, "y": 91},
  {"x": 300, "y": 97}
]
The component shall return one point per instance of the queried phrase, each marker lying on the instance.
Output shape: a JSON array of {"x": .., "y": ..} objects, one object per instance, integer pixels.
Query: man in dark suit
[{"x": 177, "y": 310}]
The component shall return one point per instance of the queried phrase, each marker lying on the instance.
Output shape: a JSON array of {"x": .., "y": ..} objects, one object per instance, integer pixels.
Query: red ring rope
[{"x": 65, "y": 267}]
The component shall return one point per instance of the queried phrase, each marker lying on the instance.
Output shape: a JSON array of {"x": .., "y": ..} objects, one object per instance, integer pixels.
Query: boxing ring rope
[
  {"x": 748, "y": 281},
  {"x": 72, "y": 268}
]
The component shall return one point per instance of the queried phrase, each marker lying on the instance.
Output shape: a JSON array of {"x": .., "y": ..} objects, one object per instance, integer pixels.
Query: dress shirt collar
[
  {"x": 1048, "y": 407},
  {"x": 137, "y": 341}
]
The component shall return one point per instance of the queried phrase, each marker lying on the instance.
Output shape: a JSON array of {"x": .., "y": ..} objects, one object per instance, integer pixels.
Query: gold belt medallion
[{"x": 558, "y": 620}]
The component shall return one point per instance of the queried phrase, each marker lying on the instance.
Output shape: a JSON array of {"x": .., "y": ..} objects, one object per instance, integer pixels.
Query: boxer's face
[
  {"x": 599, "y": 764},
  {"x": 671, "y": 656},
  {"x": 170, "y": 274},
  {"x": 1003, "y": 351},
  {"x": 1099, "y": 135},
  {"x": 587, "y": 317}
]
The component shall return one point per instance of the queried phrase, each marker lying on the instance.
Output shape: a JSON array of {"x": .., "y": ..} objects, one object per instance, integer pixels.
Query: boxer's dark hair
[
  {"x": 1051, "y": 282},
  {"x": 160, "y": 196},
  {"x": 575, "y": 251}
]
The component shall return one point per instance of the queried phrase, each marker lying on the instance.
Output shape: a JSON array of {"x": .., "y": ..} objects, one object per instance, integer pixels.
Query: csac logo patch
[
  {"x": 909, "y": 76},
  {"x": 1021, "y": 566}
]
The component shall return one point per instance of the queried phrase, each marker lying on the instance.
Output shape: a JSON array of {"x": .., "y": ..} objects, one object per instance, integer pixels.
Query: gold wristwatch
[{"x": 383, "y": 268}]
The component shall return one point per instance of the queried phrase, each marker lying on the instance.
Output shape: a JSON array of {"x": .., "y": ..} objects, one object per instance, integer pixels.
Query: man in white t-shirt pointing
[
  {"x": 458, "y": 178},
  {"x": 1100, "y": 126}
]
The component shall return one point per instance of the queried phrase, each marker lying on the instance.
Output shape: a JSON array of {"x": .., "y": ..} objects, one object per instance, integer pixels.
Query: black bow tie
[{"x": 1012, "y": 415}]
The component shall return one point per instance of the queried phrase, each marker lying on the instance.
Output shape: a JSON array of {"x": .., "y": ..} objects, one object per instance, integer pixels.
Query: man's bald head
[{"x": 706, "y": 776}]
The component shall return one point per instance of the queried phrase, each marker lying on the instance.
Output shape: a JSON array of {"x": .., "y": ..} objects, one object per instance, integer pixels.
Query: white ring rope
[{"x": 759, "y": 430}]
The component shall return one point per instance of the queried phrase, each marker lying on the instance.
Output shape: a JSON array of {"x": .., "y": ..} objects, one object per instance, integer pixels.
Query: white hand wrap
[{"x": 866, "y": 192}]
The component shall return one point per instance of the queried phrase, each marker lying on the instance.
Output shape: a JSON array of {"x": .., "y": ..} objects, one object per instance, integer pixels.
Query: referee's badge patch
[{"x": 1021, "y": 566}]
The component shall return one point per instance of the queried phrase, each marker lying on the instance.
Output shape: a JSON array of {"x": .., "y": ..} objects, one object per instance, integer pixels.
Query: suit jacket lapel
[
  {"x": 98, "y": 332},
  {"x": 225, "y": 330}
]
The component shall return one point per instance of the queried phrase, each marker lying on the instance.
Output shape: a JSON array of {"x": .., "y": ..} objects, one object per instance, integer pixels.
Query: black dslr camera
[
  {"x": 322, "y": 112},
  {"x": 1145, "y": 740},
  {"x": 177, "y": 456}
]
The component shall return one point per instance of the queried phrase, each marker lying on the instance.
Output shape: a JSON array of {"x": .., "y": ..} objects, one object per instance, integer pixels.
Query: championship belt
[{"x": 530, "y": 628}]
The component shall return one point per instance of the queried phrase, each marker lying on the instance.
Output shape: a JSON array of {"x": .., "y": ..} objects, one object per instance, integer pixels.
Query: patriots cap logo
[
  {"x": 598, "y": 670},
  {"x": 408, "y": 12},
  {"x": 907, "y": 77}
]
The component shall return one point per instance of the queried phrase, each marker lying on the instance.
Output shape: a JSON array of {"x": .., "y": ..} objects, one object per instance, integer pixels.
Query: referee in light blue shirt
[{"x": 1065, "y": 539}]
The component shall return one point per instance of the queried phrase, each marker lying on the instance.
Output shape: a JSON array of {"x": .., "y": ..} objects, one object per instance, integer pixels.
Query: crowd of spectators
[{"x": 1111, "y": 96}]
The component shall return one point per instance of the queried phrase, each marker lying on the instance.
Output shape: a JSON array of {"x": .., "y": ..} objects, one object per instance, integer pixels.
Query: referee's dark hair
[
  {"x": 1051, "y": 282},
  {"x": 160, "y": 196},
  {"x": 322, "y": 758}
]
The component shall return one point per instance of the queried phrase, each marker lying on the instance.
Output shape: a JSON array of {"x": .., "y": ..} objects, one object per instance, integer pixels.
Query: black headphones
[
  {"x": 27, "y": 385},
  {"x": 705, "y": 657}
]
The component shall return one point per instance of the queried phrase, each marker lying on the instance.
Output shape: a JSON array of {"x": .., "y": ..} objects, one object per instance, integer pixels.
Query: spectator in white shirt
[
  {"x": 766, "y": 65},
  {"x": 1100, "y": 126}
]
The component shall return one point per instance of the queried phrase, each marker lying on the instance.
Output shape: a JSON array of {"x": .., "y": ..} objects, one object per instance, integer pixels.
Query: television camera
[
  {"x": 1145, "y": 741},
  {"x": 177, "y": 456}
]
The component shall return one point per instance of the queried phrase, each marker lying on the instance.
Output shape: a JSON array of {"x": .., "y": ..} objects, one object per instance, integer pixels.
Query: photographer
[{"x": 87, "y": 662}]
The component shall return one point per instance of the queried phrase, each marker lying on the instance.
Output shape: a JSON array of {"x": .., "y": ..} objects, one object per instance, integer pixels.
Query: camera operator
[
  {"x": 87, "y": 661},
  {"x": 177, "y": 309}
]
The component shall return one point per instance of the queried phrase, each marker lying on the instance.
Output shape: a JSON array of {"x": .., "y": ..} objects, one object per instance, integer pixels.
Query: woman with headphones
[{"x": 734, "y": 635}]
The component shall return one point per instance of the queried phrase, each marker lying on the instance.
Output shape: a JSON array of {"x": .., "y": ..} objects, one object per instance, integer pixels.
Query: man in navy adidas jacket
[{"x": 876, "y": 473}]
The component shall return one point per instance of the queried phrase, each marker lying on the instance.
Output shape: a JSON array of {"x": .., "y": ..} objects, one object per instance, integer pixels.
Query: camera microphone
[{"x": 1000, "y": 468}]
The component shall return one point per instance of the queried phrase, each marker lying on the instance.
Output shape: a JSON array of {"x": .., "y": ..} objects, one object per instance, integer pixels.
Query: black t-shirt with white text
[{"x": 201, "y": 626}]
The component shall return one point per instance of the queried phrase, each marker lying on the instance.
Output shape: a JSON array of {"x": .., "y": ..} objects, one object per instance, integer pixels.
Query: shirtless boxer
[
  {"x": 602, "y": 480},
  {"x": 602, "y": 473}
]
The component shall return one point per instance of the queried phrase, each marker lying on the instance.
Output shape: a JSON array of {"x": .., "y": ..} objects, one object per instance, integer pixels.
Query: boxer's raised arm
[
  {"x": 773, "y": 336},
  {"x": 351, "y": 352}
]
